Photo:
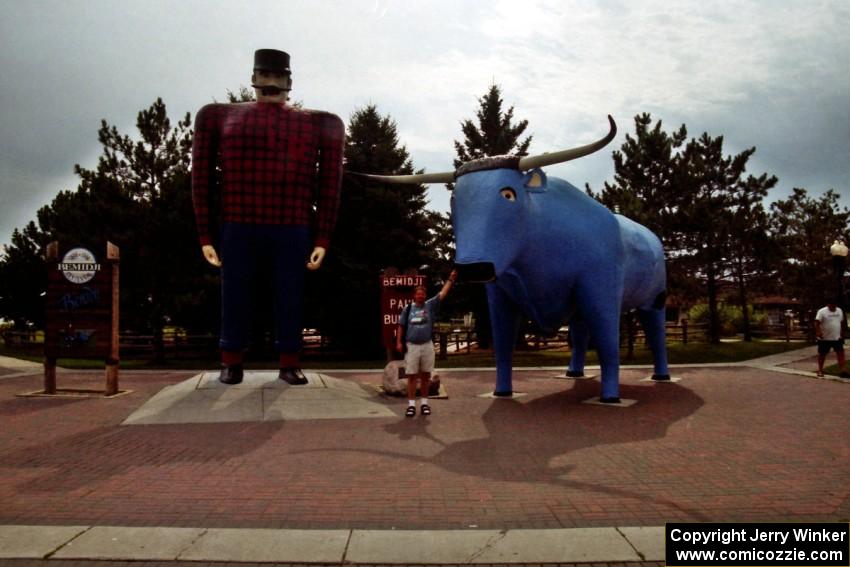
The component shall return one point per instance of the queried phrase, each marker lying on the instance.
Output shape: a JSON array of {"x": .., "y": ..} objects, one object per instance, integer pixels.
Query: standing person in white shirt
[
  {"x": 416, "y": 327},
  {"x": 829, "y": 330}
]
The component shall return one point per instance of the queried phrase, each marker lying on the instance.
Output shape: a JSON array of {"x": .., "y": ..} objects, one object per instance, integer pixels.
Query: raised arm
[{"x": 448, "y": 285}]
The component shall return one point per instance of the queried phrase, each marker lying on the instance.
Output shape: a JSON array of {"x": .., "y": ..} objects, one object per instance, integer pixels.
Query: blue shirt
[{"x": 420, "y": 320}]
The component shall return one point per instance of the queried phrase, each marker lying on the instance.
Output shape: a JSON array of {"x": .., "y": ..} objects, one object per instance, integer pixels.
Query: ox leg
[
  {"x": 655, "y": 329},
  {"x": 605, "y": 328},
  {"x": 504, "y": 318},
  {"x": 579, "y": 338}
]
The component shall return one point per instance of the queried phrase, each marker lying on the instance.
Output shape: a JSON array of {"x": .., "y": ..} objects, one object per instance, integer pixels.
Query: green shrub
[{"x": 731, "y": 317}]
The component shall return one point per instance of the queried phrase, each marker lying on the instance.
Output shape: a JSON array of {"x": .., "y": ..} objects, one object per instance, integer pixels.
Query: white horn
[
  {"x": 446, "y": 177},
  {"x": 566, "y": 155}
]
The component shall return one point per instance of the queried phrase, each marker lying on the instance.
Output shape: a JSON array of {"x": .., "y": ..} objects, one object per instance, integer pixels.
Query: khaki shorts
[{"x": 419, "y": 358}]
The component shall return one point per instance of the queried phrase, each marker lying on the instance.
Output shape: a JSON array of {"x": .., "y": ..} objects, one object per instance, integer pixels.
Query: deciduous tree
[{"x": 804, "y": 227}]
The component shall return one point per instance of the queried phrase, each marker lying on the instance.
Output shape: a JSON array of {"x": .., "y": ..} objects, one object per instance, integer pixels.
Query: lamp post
[{"x": 839, "y": 258}]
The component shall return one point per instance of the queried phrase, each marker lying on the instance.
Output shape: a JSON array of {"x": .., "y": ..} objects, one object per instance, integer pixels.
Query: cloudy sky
[{"x": 771, "y": 74}]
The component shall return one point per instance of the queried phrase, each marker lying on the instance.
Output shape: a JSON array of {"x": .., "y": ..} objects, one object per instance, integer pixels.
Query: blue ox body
[
  {"x": 550, "y": 252},
  {"x": 554, "y": 254}
]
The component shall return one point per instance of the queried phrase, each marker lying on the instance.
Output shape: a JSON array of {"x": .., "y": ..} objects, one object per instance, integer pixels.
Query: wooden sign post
[
  {"x": 396, "y": 292},
  {"x": 82, "y": 310}
]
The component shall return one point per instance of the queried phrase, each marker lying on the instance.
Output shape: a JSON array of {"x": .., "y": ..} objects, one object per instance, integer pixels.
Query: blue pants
[{"x": 243, "y": 247}]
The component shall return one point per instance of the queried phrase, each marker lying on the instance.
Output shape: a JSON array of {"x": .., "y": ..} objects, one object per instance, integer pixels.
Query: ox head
[
  {"x": 490, "y": 205},
  {"x": 490, "y": 215}
]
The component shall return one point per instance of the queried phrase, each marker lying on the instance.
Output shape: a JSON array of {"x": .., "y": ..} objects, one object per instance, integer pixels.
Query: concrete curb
[{"x": 578, "y": 545}]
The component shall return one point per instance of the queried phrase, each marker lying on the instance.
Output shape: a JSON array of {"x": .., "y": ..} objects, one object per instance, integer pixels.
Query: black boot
[
  {"x": 292, "y": 375},
  {"x": 230, "y": 374}
]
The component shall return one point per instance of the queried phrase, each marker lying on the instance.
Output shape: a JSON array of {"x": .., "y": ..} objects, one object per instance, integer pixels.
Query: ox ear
[{"x": 535, "y": 181}]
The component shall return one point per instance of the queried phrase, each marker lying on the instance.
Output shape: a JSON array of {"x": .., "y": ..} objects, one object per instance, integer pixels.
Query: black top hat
[{"x": 271, "y": 60}]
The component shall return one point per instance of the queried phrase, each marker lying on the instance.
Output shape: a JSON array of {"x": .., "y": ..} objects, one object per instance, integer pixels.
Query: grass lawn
[
  {"x": 692, "y": 353},
  {"x": 677, "y": 353}
]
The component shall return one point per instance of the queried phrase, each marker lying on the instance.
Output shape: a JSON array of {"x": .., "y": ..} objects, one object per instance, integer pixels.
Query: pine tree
[
  {"x": 702, "y": 223},
  {"x": 23, "y": 278},
  {"x": 752, "y": 253},
  {"x": 143, "y": 166},
  {"x": 710, "y": 218},
  {"x": 139, "y": 198},
  {"x": 494, "y": 134},
  {"x": 644, "y": 169},
  {"x": 379, "y": 225}
]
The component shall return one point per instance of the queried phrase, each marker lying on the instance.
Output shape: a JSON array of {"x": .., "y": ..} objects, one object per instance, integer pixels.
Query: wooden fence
[
  {"x": 450, "y": 340},
  {"x": 171, "y": 344}
]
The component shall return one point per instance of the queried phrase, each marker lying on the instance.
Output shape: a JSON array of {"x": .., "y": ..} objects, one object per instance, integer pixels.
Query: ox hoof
[
  {"x": 609, "y": 400},
  {"x": 507, "y": 394},
  {"x": 661, "y": 377},
  {"x": 574, "y": 374}
]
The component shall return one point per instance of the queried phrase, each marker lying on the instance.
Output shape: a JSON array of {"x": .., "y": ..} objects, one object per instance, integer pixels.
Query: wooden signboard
[
  {"x": 396, "y": 292},
  {"x": 81, "y": 309}
]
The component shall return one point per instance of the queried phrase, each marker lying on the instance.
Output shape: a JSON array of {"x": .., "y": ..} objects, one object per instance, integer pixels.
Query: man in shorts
[
  {"x": 829, "y": 330},
  {"x": 419, "y": 318}
]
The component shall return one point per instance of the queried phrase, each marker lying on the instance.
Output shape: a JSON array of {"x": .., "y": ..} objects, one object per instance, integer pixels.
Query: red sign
[
  {"x": 81, "y": 309},
  {"x": 396, "y": 292}
]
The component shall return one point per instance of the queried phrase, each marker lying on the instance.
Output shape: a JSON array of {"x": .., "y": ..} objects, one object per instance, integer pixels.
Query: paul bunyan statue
[{"x": 276, "y": 163}]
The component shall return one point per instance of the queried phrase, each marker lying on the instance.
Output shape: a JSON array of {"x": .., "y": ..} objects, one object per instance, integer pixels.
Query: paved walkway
[{"x": 542, "y": 479}]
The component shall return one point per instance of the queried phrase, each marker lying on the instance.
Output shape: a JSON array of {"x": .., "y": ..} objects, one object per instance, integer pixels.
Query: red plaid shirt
[{"x": 277, "y": 162}]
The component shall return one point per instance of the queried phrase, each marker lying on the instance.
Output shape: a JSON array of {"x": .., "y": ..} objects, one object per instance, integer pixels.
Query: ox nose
[{"x": 476, "y": 272}]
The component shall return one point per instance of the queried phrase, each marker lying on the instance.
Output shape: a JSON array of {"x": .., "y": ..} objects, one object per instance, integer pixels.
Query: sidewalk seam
[
  {"x": 190, "y": 544},
  {"x": 489, "y": 545},
  {"x": 19, "y": 375},
  {"x": 61, "y": 545},
  {"x": 344, "y": 559},
  {"x": 637, "y": 551}
]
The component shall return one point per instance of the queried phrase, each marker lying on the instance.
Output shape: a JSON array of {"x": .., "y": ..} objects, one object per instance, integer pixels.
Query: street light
[{"x": 839, "y": 258}]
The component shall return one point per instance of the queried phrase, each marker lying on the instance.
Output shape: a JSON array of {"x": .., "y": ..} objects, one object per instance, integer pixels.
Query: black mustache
[{"x": 271, "y": 89}]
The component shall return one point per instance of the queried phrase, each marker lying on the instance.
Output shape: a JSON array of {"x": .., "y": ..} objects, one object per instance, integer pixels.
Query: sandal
[
  {"x": 426, "y": 409},
  {"x": 411, "y": 411},
  {"x": 820, "y": 374}
]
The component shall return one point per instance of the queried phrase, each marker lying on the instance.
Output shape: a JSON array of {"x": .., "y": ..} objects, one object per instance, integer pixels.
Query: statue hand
[
  {"x": 210, "y": 255},
  {"x": 316, "y": 258}
]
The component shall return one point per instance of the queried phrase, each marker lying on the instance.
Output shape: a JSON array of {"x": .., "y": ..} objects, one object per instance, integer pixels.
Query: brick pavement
[{"x": 725, "y": 444}]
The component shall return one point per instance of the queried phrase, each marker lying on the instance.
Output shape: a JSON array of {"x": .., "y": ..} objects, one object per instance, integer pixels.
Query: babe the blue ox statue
[{"x": 549, "y": 251}]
